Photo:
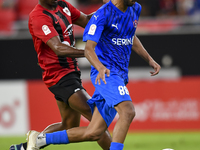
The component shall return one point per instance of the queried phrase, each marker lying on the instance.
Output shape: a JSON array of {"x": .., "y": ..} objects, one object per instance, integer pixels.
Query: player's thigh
[
  {"x": 70, "y": 117},
  {"x": 97, "y": 124},
  {"x": 114, "y": 92},
  {"x": 78, "y": 102}
]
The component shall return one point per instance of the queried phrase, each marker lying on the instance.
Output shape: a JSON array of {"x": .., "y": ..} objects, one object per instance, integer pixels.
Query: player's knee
[
  {"x": 134, "y": 114},
  {"x": 128, "y": 115},
  {"x": 68, "y": 123}
]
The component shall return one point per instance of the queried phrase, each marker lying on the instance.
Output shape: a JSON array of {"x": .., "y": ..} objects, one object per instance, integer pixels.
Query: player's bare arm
[
  {"x": 93, "y": 59},
  {"x": 64, "y": 50},
  {"x": 140, "y": 50}
]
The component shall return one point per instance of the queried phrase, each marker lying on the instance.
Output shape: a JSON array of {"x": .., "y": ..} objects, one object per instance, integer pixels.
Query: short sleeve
[
  {"x": 139, "y": 8},
  {"x": 42, "y": 27},
  {"x": 75, "y": 13},
  {"x": 94, "y": 28}
]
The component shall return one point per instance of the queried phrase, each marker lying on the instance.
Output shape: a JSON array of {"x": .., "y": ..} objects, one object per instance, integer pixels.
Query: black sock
[{"x": 24, "y": 145}]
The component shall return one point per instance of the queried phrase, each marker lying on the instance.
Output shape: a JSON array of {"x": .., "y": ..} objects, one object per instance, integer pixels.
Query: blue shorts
[{"x": 106, "y": 96}]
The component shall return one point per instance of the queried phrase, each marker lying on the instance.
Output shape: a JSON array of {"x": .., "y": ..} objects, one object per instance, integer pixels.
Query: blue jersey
[{"x": 113, "y": 31}]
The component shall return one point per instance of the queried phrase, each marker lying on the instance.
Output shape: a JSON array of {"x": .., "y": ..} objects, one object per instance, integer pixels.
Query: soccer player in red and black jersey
[{"x": 50, "y": 24}]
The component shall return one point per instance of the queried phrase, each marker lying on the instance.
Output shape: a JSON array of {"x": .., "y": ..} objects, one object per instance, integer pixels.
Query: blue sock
[
  {"x": 116, "y": 146},
  {"x": 59, "y": 137}
]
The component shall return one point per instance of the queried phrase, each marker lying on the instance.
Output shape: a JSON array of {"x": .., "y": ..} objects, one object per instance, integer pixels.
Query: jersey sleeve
[
  {"x": 139, "y": 8},
  {"x": 42, "y": 27},
  {"x": 75, "y": 13},
  {"x": 94, "y": 28}
]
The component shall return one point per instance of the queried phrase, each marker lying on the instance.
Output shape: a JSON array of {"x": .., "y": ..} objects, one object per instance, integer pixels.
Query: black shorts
[{"x": 67, "y": 86}]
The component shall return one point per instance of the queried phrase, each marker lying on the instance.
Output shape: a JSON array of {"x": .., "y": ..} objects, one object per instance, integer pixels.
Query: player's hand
[
  {"x": 102, "y": 72},
  {"x": 155, "y": 66}
]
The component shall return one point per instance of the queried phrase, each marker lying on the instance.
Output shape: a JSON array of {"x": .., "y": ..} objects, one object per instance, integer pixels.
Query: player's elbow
[
  {"x": 86, "y": 53},
  {"x": 61, "y": 51},
  {"x": 57, "y": 51}
]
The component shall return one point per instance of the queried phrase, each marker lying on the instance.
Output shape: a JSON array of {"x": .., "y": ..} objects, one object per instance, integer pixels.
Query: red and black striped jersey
[{"x": 45, "y": 24}]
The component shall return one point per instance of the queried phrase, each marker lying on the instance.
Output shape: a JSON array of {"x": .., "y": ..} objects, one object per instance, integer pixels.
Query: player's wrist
[{"x": 101, "y": 67}]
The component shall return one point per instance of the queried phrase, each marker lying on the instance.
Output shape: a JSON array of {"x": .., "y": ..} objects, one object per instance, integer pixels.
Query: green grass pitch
[{"x": 134, "y": 141}]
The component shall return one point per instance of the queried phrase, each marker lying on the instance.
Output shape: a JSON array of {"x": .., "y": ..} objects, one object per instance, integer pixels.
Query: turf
[{"x": 134, "y": 141}]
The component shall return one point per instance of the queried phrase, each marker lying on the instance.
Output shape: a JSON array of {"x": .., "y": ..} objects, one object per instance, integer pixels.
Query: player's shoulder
[
  {"x": 101, "y": 9},
  {"x": 38, "y": 14},
  {"x": 37, "y": 11},
  {"x": 137, "y": 6},
  {"x": 104, "y": 9}
]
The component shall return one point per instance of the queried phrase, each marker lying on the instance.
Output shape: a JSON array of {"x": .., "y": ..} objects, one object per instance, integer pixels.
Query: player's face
[
  {"x": 54, "y": 3},
  {"x": 129, "y": 2}
]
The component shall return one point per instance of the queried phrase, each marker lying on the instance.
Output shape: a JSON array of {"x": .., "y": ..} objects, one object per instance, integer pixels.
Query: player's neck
[
  {"x": 49, "y": 7},
  {"x": 120, "y": 5}
]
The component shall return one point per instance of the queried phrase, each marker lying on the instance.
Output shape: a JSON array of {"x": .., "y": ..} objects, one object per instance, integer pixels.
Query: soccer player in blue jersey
[{"x": 110, "y": 37}]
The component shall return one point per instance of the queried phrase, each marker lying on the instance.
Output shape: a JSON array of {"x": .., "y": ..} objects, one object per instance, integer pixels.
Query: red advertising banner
[
  {"x": 43, "y": 109},
  {"x": 159, "y": 105}
]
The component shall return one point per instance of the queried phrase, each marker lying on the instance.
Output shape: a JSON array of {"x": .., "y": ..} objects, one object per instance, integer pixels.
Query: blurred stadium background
[{"x": 169, "y": 30}]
